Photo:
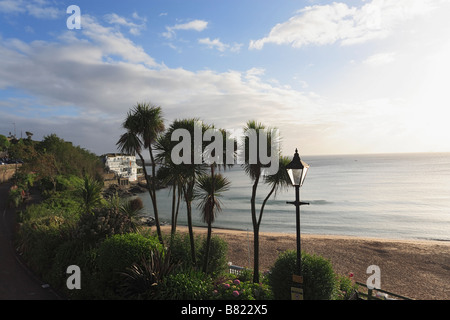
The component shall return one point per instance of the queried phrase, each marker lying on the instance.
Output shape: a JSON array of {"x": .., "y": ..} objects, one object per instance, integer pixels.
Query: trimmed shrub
[
  {"x": 319, "y": 279},
  {"x": 187, "y": 285},
  {"x": 119, "y": 252},
  {"x": 181, "y": 253},
  {"x": 217, "y": 262}
]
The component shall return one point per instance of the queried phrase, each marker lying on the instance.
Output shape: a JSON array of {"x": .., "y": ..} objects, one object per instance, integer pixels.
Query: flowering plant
[{"x": 235, "y": 289}]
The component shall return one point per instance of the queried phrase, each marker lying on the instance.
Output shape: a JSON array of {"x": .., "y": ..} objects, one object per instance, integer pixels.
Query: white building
[{"x": 123, "y": 165}]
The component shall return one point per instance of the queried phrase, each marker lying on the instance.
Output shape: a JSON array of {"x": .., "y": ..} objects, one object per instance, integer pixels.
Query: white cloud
[
  {"x": 339, "y": 23},
  {"x": 196, "y": 25},
  {"x": 36, "y": 8},
  {"x": 90, "y": 79},
  {"x": 220, "y": 46},
  {"x": 380, "y": 59},
  {"x": 134, "y": 28}
]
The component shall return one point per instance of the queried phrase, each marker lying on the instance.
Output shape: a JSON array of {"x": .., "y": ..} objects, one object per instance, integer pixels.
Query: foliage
[
  {"x": 120, "y": 251},
  {"x": 90, "y": 194},
  {"x": 142, "y": 279},
  {"x": 4, "y": 143},
  {"x": 143, "y": 124},
  {"x": 102, "y": 223},
  {"x": 236, "y": 289},
  {"x": 38, "y": 239},
  {"x": 187, "y": 285},
  {"x": 318, "y": 276},
  {"x": 180, "y": 250},
  {"x": 345, "y": 288}
]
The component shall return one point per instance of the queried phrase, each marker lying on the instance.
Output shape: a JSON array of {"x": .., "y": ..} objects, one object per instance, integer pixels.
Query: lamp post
[{"x": 297, "y": 170}]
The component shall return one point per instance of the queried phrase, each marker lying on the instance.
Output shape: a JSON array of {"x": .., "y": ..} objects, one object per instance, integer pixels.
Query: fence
[{"x": 377, "y": 294}]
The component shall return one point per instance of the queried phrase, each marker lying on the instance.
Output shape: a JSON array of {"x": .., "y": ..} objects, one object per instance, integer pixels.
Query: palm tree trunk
[
  {"x": 174, "y": 196},
  {"x": 153, "y": 196},
  {"x": 208, "y": 244},
  {"x": 255, "y": 233},
  {"x": 189, "y": 220}
]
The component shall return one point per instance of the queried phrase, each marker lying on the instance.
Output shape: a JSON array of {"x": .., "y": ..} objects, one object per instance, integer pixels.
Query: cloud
[
  {"x": 339, "y": 23},
  {"x": 134, "y": 28},
  {"x": 37, "y": 8},
  {"x": 196, "y": 25},
  {"x": 82, "y": 84},
  {"x": 220, "y": 46},
  {"x": 380, "y": 59}
]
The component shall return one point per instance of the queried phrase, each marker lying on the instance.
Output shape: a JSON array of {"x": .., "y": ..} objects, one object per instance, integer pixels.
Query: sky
[{"x": 335, "y": 77}]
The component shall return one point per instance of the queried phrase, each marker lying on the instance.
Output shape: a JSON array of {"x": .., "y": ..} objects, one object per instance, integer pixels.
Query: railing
[
  {"x": 378, "y": 294},
  {"x": 235, "y": 269}
]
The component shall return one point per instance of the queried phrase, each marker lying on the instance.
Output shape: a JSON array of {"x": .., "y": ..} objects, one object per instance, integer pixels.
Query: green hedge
[
  {"x": 119, "y": 252},
  {"x": 319, "y": 279}
]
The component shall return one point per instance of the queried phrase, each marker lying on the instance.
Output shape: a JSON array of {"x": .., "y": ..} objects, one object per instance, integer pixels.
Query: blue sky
[{"x": 362, "y": 76}]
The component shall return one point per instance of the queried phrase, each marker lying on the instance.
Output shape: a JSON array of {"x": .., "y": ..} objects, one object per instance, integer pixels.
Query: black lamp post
[{"x": 297, "y": 170}]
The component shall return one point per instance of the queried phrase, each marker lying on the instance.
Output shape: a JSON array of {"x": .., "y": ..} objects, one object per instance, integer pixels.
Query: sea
[{"x": 389, "y": 196}]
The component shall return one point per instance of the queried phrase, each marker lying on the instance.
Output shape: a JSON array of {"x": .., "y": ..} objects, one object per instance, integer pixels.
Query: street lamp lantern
[{"x": 297, "y": 170}]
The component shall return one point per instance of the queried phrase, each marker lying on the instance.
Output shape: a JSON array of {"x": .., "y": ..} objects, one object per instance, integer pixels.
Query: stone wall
[{"x": 7, "y": 171}]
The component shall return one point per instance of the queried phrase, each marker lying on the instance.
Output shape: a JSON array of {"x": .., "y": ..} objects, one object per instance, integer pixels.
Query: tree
[
  {"x": 169, "y": 174},
  {"x": 90, "y": 193},
  {"x": 4, "y": 143},
  {"x": 144, "y": 123},
  {"x": 208, "y": 191},
  {"x": 187, "y": 171},
  {"x": 254, "y": 170}
]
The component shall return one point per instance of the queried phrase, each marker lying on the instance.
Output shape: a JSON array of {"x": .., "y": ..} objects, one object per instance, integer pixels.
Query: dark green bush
[
  {"x": 74, "y": 252},
  {"x": 187, "y": 285},
  {"x": 319, "y": 279},
  {"x": 181, "y": 252},
  {"x": 217, "y": 261},
  {"x": 142, "y": 280},
  {"x": 120, "y": 251},
  {"x": 38, "y": 240}
]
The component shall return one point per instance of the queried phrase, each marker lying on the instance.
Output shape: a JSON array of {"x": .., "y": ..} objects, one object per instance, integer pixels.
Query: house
[{"x": 124, "y": 166}]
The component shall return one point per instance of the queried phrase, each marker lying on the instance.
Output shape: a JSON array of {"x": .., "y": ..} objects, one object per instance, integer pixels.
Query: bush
[
  {"x": 103, "y": 223},
  {"x": 217, "y": 262},
  {"x": 187, "y": 285},
  {"x": 120, "y": 251},
  {"x": 73, "y": 252},
  {"x": 142, "y": 280},
  {"x": 181, "y": 252},
  {"x": 236, "y": 289},
  {"x": 38, "y": 240},
  {"x": 319, "y": 279},
  {"x": 345, "y": 288}
]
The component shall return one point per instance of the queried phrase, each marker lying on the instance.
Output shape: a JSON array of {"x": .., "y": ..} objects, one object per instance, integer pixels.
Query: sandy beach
[{"x": 415, "y": 269}]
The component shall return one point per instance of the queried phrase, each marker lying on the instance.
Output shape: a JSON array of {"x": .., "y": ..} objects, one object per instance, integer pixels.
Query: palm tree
[
  {"x": 90, "y": 192},
  {"x": 144, "y": 123},
  {"x": 255, "y": 171},
  {"x": 185, "y": 174},
  {"x": 208, "y": 191}
]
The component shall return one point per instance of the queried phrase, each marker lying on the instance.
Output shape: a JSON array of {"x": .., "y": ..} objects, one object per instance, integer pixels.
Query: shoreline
[
  {"x": 418, "y": 269},
  {"x": 314, "y": 235}
]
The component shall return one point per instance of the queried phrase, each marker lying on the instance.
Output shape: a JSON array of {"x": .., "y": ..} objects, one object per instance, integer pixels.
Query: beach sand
[{"x": 414, "y": 269}]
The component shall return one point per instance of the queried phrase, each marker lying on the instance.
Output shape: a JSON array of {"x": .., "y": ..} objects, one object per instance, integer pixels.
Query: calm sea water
[{"x": 393, "y": 196}]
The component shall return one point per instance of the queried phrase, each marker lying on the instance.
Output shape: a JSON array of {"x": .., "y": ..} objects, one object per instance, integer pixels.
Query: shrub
[
  {"x": 236, "y": 289},
  {"x": 38, "y": 240},
  {"x": 143, "y": 279},
  {"x": 345, "y": 288},
  {"x": 217, "y": 262},
  {"x": 181, "y": 252},
  {"x": 187, "y": 285},
  {"x": 120, "y": 251},
  {"x": 103, "y": 223},
  {"x": 318, "y": 276},
  {"x": 73, "y": 252}
]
